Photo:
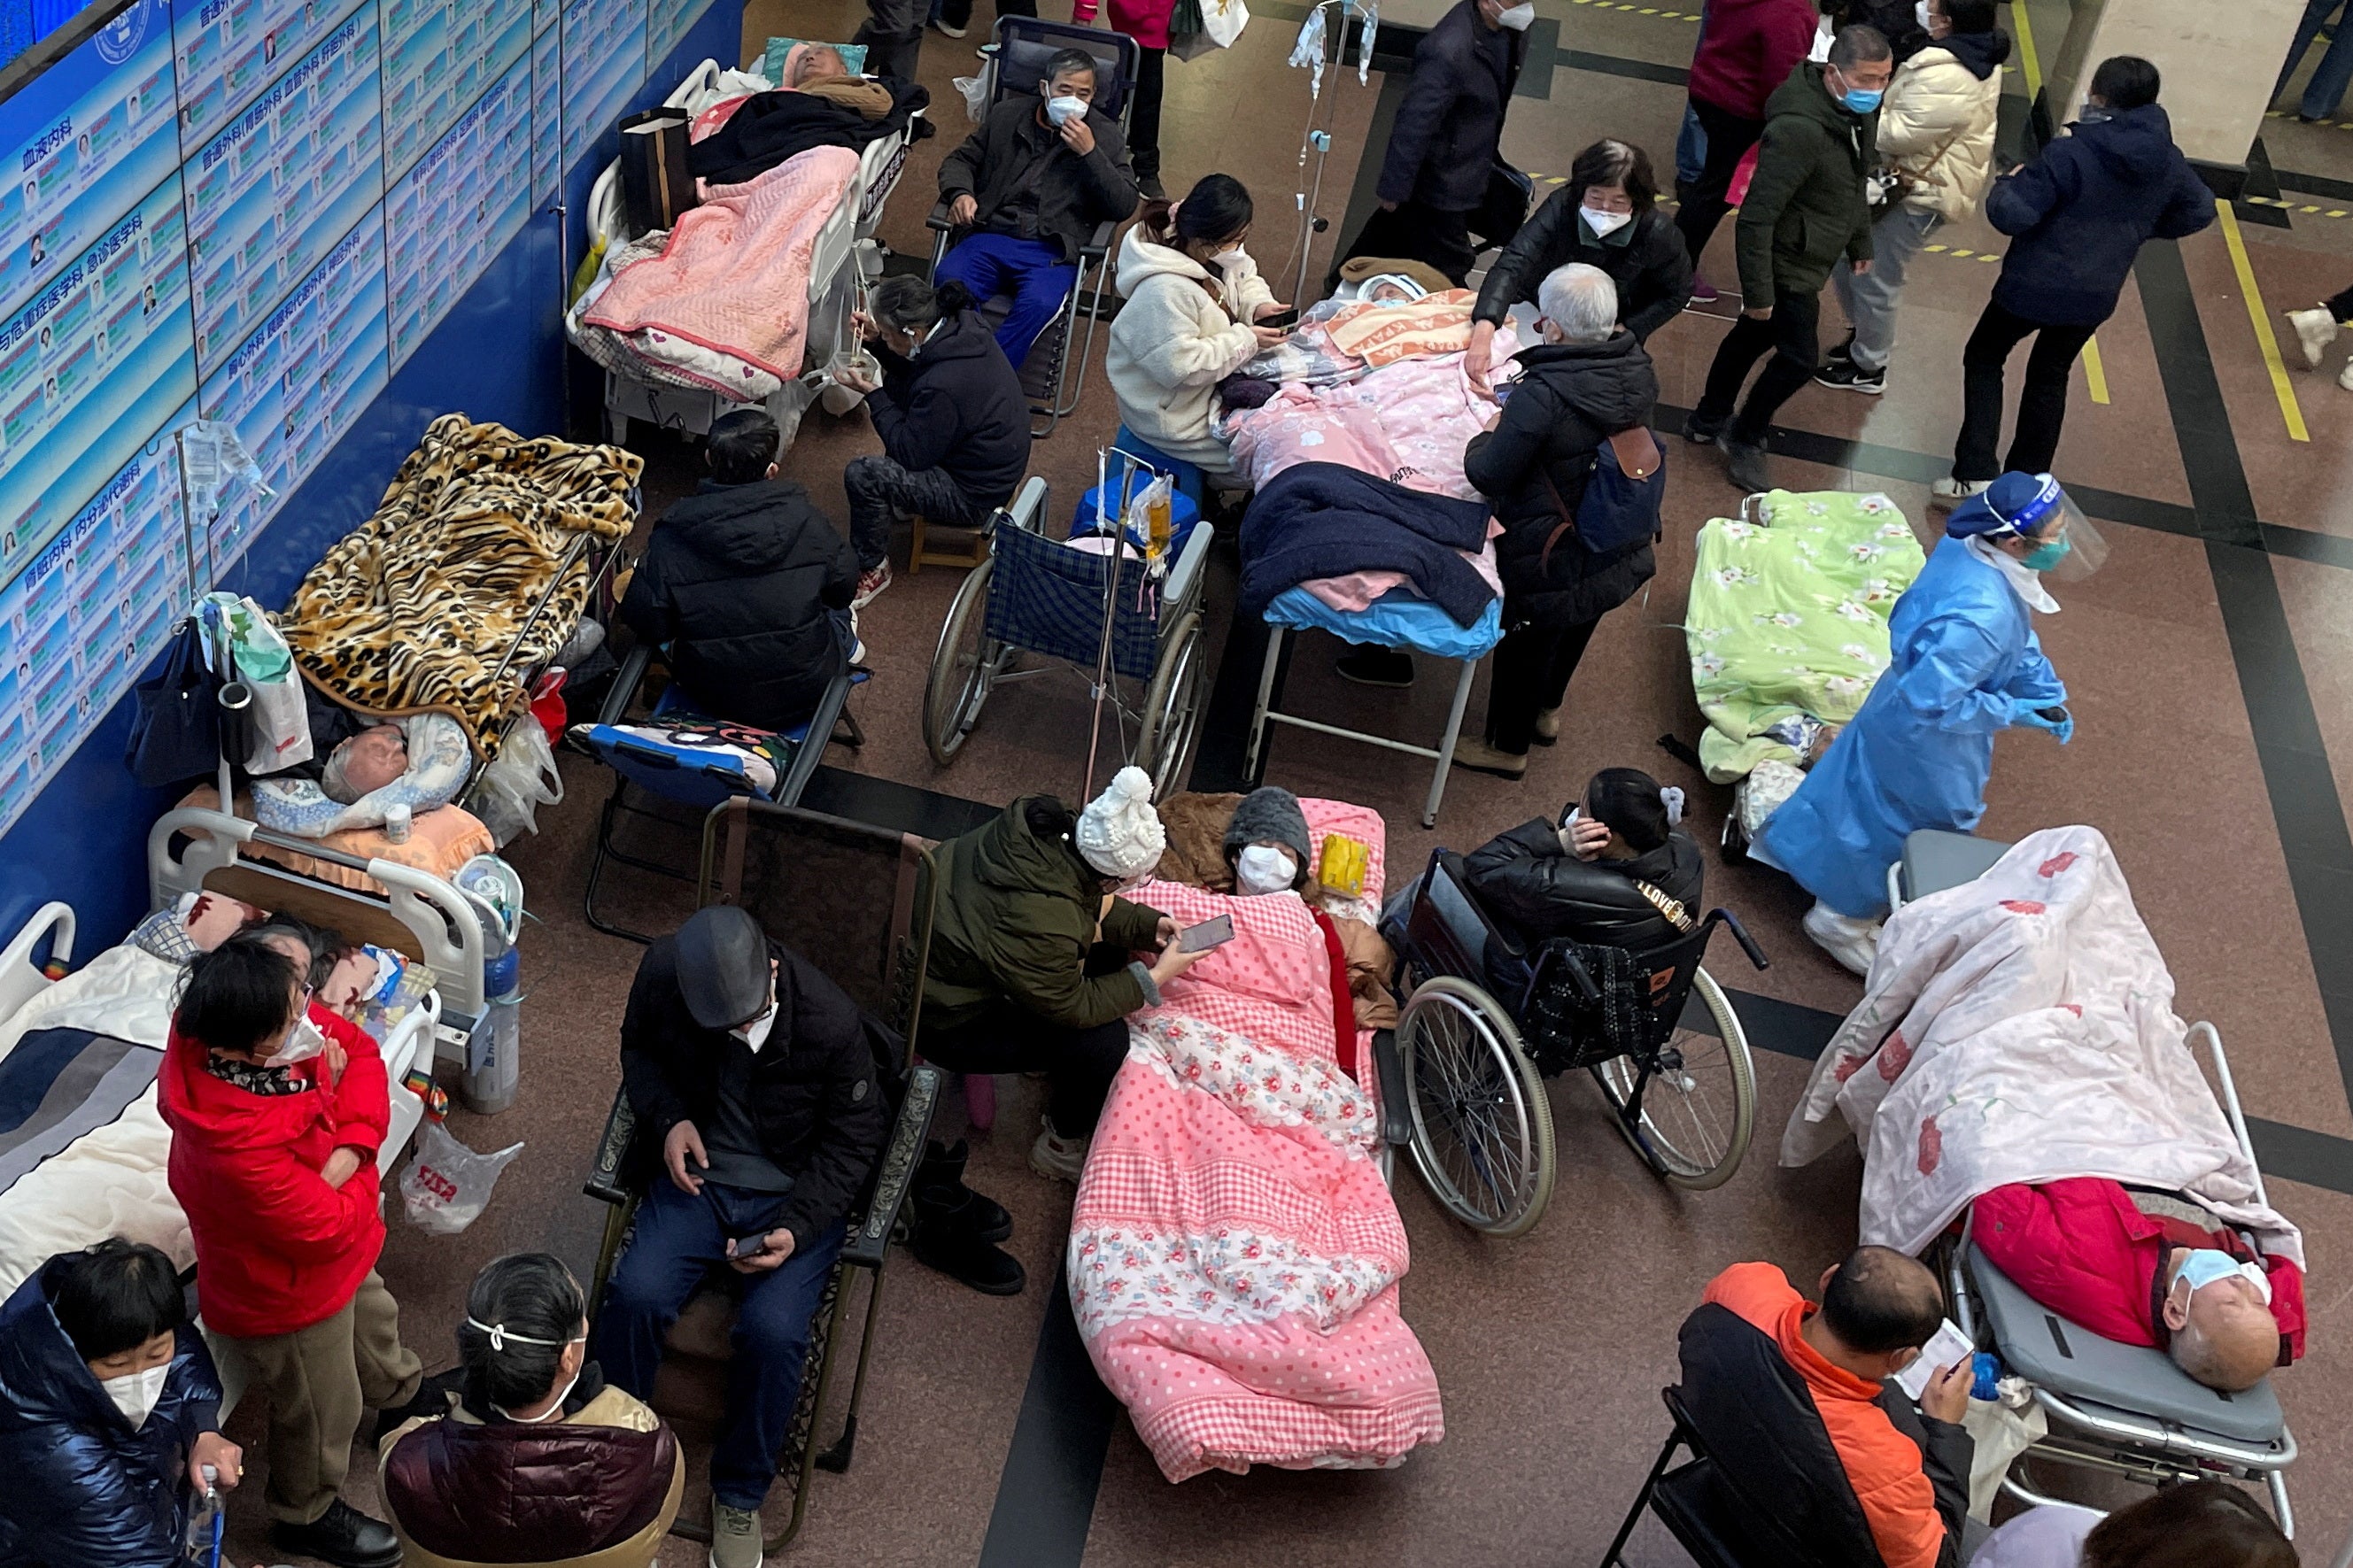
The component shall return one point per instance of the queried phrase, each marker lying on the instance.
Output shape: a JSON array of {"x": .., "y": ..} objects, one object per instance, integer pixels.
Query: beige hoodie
[
  {"x": 1173, "y": 342},
  {"x": 1937, "y": 122}
]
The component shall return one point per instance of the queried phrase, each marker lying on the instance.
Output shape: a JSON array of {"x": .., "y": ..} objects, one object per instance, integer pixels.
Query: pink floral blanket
[
  {"x": 1234, "y": 1255},
  {"x": 733, "y": 278}
]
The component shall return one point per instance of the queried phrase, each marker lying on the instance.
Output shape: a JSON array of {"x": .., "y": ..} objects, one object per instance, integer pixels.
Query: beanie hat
[
  {"x": 1119, "y": 833},
  {"x": 1270, "y": 813}
]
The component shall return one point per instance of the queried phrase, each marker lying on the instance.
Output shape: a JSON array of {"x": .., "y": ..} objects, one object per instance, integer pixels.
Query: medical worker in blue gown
[{"x": 1964, "y": 662}]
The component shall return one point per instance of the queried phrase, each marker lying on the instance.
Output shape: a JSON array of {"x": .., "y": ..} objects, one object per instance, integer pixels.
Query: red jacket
[
  {"x": 1747, "y": 49},
  {"x": 277, "y": 1248},
  {"x": 2081, "y": 1247}
]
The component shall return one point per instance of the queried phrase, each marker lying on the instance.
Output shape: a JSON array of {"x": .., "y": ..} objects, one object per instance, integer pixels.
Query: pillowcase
[{"x": 439, "y": 760}]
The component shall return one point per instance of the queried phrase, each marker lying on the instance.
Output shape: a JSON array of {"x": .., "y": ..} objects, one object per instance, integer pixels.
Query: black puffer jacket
[
  {"x": 957, "y": 406},
  {"x": 1571, "y": 398},
  {"x": 815, "y": 1100},
  {"x": 1444, "y": 138},
  {"x": 1525, "y": 878},
  {"x": 737, "y": 581},
  {"x": 1651, "y": 269}
]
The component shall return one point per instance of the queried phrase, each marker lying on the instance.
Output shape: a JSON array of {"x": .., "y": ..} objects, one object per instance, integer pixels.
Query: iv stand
[{"x": 1354, "y": 16}]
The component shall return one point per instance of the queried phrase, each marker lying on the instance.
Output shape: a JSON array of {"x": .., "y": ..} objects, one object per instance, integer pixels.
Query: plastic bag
[
  {"x": 273, "y": 732},
  {"x": 520, "y": 780},
  {"x": 975, "y": 90},
  {"x": 446, "y": 1183}
]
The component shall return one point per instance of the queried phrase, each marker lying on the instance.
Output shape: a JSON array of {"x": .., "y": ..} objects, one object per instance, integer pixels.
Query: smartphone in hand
[
  {"x": 1210, "y": 934},
  {"x": 750, "y": 1246}
]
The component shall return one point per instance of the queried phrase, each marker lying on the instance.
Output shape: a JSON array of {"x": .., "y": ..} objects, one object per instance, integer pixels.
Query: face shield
[{"x": 2063, "y": 545}]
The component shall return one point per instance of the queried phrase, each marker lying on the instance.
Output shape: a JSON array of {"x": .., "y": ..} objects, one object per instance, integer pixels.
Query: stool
[
  {"x": 919, "y": 557},
  {"x": 1190, "y": 481}
]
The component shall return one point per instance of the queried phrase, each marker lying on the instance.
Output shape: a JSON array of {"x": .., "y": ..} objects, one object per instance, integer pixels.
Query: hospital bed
[
  {"x": 2123, "y": 1410},
  {"x": 846, "y": 257}
]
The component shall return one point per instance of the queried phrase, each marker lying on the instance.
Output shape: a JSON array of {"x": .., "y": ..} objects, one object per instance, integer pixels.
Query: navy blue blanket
[
  {"x": 59, "y": 1084},
  {"x": 1321, "y": 520}
]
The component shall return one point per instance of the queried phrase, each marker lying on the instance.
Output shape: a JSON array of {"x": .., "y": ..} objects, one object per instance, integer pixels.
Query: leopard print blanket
[{"x": 414, "y": 610}]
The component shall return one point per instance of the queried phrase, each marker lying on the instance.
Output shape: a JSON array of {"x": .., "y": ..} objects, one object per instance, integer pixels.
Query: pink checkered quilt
[{"x": 1234, "y": 1253}]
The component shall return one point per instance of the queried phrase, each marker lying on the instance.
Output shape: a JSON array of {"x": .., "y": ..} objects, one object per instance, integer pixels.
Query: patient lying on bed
[
  {"x": 365, "y": 764},
  {"x": 2140, "y": 1270}
]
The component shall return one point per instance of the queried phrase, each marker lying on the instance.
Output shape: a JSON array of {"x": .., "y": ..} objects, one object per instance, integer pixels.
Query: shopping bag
[
  {"x": 447, "y": 1184},
  {"x": 1223, "y": 21},
  {"x": 175, "y": 733},
  {"x": 520, "y": 780},
  {"x": 273, "y": 732},
  {"x": 656, "y": 183}
]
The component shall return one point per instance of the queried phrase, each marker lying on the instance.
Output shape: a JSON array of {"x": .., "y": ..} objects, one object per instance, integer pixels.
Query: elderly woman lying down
[{"x": 1234, "y": 1255}]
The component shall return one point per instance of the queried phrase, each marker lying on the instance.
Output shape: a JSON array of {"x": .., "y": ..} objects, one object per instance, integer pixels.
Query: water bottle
[
  {"x": 494, "y": 1054},
  {"x": 204, "y": 1543}
]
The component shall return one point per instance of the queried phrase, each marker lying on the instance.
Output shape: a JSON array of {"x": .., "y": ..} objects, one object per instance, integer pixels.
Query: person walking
[
  {"x": 2315, "y": 328},
  {"x": 2077, "y": 217},
  {"x": 1746, "y": 50},
  {"x": 2324, "y": 93},
  {"x": 1443, "y": 143},
  {"x": 1805, "y": 209},
  {"x": 1936, "y": 134}
]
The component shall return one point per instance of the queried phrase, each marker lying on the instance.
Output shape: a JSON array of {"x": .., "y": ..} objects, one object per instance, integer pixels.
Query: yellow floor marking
[
  {"x": 1962, "y": 254},
  {"x": 2290, "y": 410},
  {"x": 2095, "y": 375},
  {"x": 2029, "y": 60},
  {"x": 1934, "y": 249}
]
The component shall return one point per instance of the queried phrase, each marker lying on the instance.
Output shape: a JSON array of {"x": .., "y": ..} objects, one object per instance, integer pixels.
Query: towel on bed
[
  {"x": 415, "y": 609},
  {"x": 1319, "y": 519},
  {"x": 1234, "y": 1254}
]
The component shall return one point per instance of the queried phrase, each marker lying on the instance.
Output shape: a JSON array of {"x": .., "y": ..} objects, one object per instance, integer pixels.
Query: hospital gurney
[{"x": 2126, "y": 1410}]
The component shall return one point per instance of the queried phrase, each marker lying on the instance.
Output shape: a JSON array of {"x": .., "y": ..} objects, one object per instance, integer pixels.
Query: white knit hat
[{"x": 1119, "y": 833}]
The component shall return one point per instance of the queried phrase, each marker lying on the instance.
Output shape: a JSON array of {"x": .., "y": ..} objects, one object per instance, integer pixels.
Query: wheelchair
[
  {"x": 857, "y": 902},
  {"x": 693, "y": 785},
  {"x": 1024, "y": 45},
  {"x": 1480, "y": 1125},
  {"x": 1035, "y": 595}
]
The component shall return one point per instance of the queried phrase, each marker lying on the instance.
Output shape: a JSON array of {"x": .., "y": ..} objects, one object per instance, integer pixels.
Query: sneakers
[
  {"x": 734, "y": 1536},
  {"x": 2315, "y": 329},
  {"x": 1949, "y": 492},
  {"x": 1548, "y": 726},
  {"x": 1853, "y": 942},
  {"x": 1057, "y": 1158},
  {"x": 1482, "y": 758},
  {"x": 1150, "y": 185},
  {"x": 1743, "y": 462},
  {"x": 871, "y": 583},
  {"x": 1370, "y": 665},
  {"x": 948, "y": 27},
  {"x": 1703, "y": 291},
  {"x": 1702, "y": 431},
  {"x": 1848, "y": 377},
  {"x": 349, "y": 1539}
]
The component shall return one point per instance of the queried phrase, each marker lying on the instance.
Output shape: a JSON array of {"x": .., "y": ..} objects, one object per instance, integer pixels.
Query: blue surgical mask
[
  {"x": 1860, "y": 101},
  {"x": 2207, "y": 1265},
  {"x": 2046, "y": 555}
]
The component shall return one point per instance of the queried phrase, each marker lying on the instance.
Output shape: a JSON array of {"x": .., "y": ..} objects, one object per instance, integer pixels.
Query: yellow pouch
[{"x": 1344, "y": 865}]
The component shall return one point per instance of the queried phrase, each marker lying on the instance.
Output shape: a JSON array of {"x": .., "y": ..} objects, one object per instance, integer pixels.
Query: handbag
[
  {"x": 1623, "y": 498},
  {"x": 1504, "y": 205},
  {"x": 657, "y": 186},
  {"x": 1891, "y": 184},
  {"x": 175, "y": 733}
]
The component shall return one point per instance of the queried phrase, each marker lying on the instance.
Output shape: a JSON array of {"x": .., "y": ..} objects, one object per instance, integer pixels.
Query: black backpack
[{"x": 1624, "y": 497}]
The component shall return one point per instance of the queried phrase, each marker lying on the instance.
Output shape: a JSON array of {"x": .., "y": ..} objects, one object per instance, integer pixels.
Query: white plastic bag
[
  {"x": 273, "y": 727},
  {"x": 520, "y": 780},
  {"x": 446, "y": 1183},
  {"x": 975, "y": 89},
  {"x": 2004, "y": 1426}
]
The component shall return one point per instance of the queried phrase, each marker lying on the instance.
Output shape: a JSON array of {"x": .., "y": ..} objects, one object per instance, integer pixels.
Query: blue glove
[{"x": 2063, "y": 726}]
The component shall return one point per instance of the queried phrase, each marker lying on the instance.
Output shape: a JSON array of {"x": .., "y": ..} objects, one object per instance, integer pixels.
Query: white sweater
[
  {"x": 1938, "y": 121},
  {"x": 1174, "y": 341}
]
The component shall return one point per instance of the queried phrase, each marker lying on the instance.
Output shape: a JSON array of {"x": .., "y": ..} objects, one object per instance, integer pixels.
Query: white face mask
[
  {"x": 304, "y": 1042},
  {"x": 1920, "y": 15},
  {"x": 1261, "y": 869},
  {"x": 135, "y": 1393},
  {"x": 1230, "y": 260},
  {"x": 1603, "y": 224},
  {"x": 552, "y": 1413},
  {"x": 1568, "y": 831},
  {"x": 1062, "y": 111},
  {"x": 1517, "y": 17}
]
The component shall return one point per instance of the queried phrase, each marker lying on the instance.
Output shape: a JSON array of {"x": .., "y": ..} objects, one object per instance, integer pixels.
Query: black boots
[
  {"x": 957, "y": 1229},
  {"x": 342, "y": 1536}
]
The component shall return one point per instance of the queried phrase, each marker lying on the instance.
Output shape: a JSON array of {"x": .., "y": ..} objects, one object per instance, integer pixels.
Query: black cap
[{"x": 723, "y": 966}]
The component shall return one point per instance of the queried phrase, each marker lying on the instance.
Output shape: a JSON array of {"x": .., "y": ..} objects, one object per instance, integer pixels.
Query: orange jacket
[{"x": 1882, "y": 1465}]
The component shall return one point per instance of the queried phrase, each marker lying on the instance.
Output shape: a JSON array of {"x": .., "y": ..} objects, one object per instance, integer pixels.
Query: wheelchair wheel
[
  {"x": 1172, "y": 710},
  {"x": 963, "y": 668},
  {"x": 1698, "y": 1110},
  {"x": 1481, "y": 1127}
]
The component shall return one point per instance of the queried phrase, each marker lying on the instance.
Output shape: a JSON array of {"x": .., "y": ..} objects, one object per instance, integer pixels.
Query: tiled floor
[{"x": 2216, "y": 725}]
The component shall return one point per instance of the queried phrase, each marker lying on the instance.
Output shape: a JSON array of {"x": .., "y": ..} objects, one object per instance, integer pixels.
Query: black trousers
[
  {"x": 2041, "y": 403},
  {"x": 1144, "y": 117},
  {"x": 1079, "y": 1064},
  {"x": 1792, "y": 335},
  {"x": 1531, "y": 671},
  {"x": 1413, "y": 233},
  {"x": 2340, "y": 305},
  {"x": 1704, "y": 204}
]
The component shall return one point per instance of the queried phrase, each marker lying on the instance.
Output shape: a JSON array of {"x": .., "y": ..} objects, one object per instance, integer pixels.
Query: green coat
[
  {"x": 1016, "y": 918},
  {"x": 1805, "y": 206}
]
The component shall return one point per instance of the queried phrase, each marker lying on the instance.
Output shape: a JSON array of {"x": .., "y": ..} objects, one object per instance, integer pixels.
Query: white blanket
[{"x": 2020, "y": 1029}]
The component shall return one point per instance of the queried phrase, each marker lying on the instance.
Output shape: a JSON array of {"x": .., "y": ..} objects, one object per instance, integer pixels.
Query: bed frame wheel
[
  {"x": 1481, "y": 1127},
  {"x": 1690, "y": 1111},
  {"x": 964, "y": 666},
  {"x": 1172, "y": 710}
]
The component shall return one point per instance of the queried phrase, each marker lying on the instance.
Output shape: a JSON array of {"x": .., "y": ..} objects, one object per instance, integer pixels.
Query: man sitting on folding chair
[
  {"x": 1027, "y": 190},
  {"x": 1791, "y": 1401},
  {"x": 753, "y": 1075},
  {"x": 748, "y": 586}
]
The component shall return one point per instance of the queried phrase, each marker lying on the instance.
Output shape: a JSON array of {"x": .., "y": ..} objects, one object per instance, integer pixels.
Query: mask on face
[
  {"x": 135, "y": 1393},
  {"x": 1230, "y": 258},
  {"x": 2043, "y": 557},
  {"x": 1604, "y": 224},
  {"x": 1862, "y": 100},
  {"x": 303, "y": 1042},
  {"x": 552, "y": 1413},
  {"x": 1062, "y": 111},
  {"x": 1920, "y": 15},
  {"x": 2207, "y": 1265},
  {"x": 1517, "y": 17},
  {"x": 1263, "y": 870},
  {"x": 1568, "y": 831}
]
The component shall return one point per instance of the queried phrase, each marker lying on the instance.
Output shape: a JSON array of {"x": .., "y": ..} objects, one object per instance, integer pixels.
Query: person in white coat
[
  {"x": 1935, "y": 133},
  {"x": 1194, "y": 302}
]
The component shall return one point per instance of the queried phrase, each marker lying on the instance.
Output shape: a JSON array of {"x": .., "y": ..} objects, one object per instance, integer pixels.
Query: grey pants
[
  {"x": 1870, "y": 301},
  {"x": 881, "y": 493}
]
